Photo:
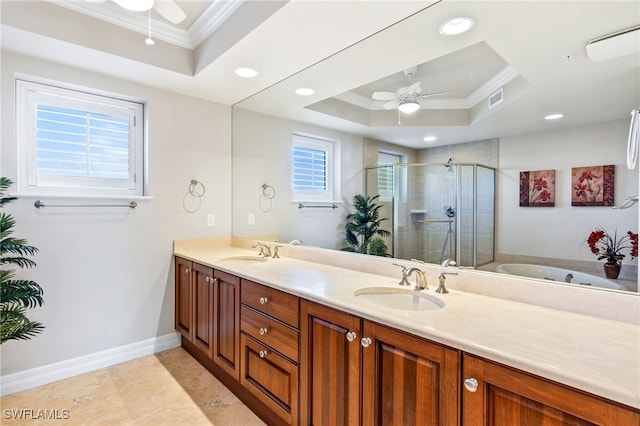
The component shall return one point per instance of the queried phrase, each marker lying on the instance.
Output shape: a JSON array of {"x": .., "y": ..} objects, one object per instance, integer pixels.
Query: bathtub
[{"x": 557, "y": 274}]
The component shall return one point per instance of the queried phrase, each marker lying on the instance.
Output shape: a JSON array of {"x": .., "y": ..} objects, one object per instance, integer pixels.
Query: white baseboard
[{"x": 33, "y": 377}]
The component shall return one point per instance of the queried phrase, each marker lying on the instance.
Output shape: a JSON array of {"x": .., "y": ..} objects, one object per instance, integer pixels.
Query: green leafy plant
[
  {"x": 16, "y": 295},
  {"x": 362, "y": 232}
]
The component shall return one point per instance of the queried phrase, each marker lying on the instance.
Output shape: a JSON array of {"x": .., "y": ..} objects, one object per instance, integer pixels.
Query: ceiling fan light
[
  {"x": 135, "y": 5},
  {"x": 409, "y": 107}
]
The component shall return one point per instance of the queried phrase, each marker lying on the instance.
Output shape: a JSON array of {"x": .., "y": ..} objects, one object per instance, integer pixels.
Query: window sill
[{"x": 83, "y": 197}]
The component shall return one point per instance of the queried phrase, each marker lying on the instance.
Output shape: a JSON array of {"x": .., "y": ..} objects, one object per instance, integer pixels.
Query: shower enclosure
[{"x": 437, "y": 212}]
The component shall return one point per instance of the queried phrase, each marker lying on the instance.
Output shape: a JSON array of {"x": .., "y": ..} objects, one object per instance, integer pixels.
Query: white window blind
[
  {"x": 312, "y": 168},
  {"x": 77, "y": 143},
  {"x": 386, "y": 174}
]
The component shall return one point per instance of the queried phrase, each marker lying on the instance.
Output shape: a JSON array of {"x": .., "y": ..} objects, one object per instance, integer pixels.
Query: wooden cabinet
[
  {"x": 407, "y": 380},
  {"x": 359, "y": 372},
  {"x": 294, "y": 361},
  {"x": 226, "y": 322},
  {"x": 184, "y": 298},
  {"x": 331, "y": 365},
  {"x": 497, "y": 395},
  {"x": 202, "y": 308},
  {"x": 269, "y": 366}
]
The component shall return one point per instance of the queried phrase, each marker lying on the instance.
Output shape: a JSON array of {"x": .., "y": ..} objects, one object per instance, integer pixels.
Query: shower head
[{"x": 448, "y": 163}]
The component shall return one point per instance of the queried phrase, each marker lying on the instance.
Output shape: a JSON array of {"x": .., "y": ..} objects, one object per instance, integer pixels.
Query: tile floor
[{"x": 168, "y": 388}]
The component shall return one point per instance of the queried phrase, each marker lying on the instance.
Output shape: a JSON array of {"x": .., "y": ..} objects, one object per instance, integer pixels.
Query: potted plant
[
  {"x": 362, "y": 232},
  {"x": 603, "y": 245},
  {"x": 16, "y": 295}
]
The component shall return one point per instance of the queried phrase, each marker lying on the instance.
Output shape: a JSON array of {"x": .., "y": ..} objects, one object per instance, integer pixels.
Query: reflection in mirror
[{"x": 539, "y": 73}]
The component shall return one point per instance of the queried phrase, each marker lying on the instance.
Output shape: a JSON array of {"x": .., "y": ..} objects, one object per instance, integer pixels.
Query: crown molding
[{"x": 211, "y": 19}]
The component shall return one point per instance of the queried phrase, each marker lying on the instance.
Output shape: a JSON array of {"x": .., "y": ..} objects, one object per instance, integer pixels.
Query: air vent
[
  {"x": 496, "y": 98},
  {"x": 616, "y": 45}
]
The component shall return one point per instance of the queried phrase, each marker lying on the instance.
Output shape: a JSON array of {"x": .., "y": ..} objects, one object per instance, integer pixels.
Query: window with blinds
[
  {"x": 78, "y": 143},
  {"x": 312, "y": 168},
  {"x": 385, "y": 174}
]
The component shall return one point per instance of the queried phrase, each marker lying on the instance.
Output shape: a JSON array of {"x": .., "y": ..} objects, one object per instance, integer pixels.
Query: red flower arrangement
[{"x": 610, "y": 248}]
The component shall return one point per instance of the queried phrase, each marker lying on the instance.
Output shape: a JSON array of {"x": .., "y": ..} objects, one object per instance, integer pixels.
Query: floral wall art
[
  {"x": 592, "y": 186},
  {"x": 538, "y": 188}
]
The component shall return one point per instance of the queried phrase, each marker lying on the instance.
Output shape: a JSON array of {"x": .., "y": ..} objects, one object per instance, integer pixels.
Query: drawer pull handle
[
  {"x": 351, "y": 336},
  {"x": 365, "y": 342},
  {"x": 263, "y": 331},
  {"x": 471, "y": 384},
  {"x": 262, "y": 354},
  {"x": 263, "y": 300}
]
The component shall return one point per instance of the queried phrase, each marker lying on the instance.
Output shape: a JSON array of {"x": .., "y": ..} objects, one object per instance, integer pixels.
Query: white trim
[
  {"x": 211, "y": 19},
  {"x": 15, "y": 382}
]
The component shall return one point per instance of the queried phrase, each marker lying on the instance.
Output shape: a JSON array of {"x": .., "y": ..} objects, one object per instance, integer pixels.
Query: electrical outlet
[
  {"x": 211, "y": 219},
  {"x": 251, "y": 219}
]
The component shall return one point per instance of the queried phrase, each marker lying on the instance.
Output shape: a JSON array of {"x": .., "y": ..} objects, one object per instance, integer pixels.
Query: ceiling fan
[
  {"x": 168, "y": 9},
  {"x": 406, "y": 98}
]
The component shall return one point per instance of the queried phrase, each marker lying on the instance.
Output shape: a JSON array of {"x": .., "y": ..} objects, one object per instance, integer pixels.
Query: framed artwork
[
  {"x": 592, "y": 186},
  {"x": 538, "y": 188}
]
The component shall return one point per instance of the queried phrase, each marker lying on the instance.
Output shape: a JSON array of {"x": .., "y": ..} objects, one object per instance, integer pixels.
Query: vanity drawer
[
  {"x": 276, "y": 303},
  {"x": 280, "y": 337},
  {"x": 270, "y": 377}
]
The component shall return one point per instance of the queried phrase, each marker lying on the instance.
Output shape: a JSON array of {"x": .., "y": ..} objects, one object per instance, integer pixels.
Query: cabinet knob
[
  {"x": 263, "y": 331},
  {"x": 351, "y": 336},
  {"x": 207, "y": 279},
  {"x": 365, "y": 342},
  {"x": 187, "y": 270},
  {"x": 471, "y": 384},
  {"x": 263, "y": 354},
  {"x": 214, "y": 279},
  {"x": 263, "y": 300}
]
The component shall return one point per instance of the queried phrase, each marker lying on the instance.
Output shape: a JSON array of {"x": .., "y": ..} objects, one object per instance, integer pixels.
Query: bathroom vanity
[{"x": 289, "y": 337}]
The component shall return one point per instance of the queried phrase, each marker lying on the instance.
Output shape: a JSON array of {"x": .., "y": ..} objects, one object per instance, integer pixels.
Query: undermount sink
[
  {"x": 246, "y": 258},
  {"x": 399, "y": 298}
]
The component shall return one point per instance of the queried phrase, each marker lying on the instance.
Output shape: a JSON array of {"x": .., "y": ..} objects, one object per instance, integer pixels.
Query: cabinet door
[
  {"x": 502, "y": 396},
  {"x": 270, "y": 377},
  {"x": 330, "y": 366},
  {"x": 226, "y": 323},
  {"x": 184, "y": 298},
  {"x": 407, "y": 380},
  {"x": 203, "y": 308}
]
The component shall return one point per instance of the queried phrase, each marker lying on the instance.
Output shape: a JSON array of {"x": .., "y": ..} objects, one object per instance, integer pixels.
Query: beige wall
[{"x": 107, "y": 275}]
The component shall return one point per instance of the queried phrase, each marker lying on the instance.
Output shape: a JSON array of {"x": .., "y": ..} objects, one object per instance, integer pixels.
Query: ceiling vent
[
  {"x": 496, "y": 98},
  {"x": 616, "y": 45}
]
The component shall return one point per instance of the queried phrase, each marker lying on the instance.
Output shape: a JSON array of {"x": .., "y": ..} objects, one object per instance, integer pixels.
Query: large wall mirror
[{"x": 456, "y": 188}]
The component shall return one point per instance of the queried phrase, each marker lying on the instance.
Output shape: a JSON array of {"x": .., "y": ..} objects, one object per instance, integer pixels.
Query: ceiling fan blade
[
  {"x": 391, "y": 105},
  {"x": 414, "y": 89},
  {"x": 428, "y": 95},
  {"x": 169, "y": 10},
  {"x": 383, "y": 96}
]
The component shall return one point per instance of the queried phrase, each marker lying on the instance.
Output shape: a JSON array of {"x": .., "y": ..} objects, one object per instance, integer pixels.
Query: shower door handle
[{"x": 634, "y": 135}]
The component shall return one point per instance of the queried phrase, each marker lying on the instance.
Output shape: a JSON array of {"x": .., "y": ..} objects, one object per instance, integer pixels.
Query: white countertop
[{"x": 596, "y": 355}]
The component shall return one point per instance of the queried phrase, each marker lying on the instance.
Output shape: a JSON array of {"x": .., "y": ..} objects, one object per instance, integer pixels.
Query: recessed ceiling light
[
  {"x": 305, "y": 91},
  {"x": 430, "y": 138},
  {"x": 554, "y": 116},
  {"x": 246, "y": 72},
  {"x": 457, "y": 25}
]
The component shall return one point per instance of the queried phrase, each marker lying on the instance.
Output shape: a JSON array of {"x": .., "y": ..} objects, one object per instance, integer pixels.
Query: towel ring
[
  {"x": 268, "y": 191},
  {"x": 196, "y": 188}
]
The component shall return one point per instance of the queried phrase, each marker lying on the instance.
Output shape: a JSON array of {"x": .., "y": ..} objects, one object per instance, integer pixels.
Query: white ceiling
[{"x": 341, "y": 51}]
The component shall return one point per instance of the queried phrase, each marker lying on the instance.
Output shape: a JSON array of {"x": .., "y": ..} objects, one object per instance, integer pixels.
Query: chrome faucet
[
  {"x": 421, "y": 279},
  {"x": 568, "y": 278},
  {"x": 441, "y": 279},
  {"x": 295, "y": 243},
  {"x": 265, "y": 251},
  {"x": 448, "y": 262}
]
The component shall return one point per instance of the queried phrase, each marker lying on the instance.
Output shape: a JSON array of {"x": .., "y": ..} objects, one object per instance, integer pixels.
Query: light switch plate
[
  {"x": 251, "y": 219},
  {"x": 211, "y": 219}
]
